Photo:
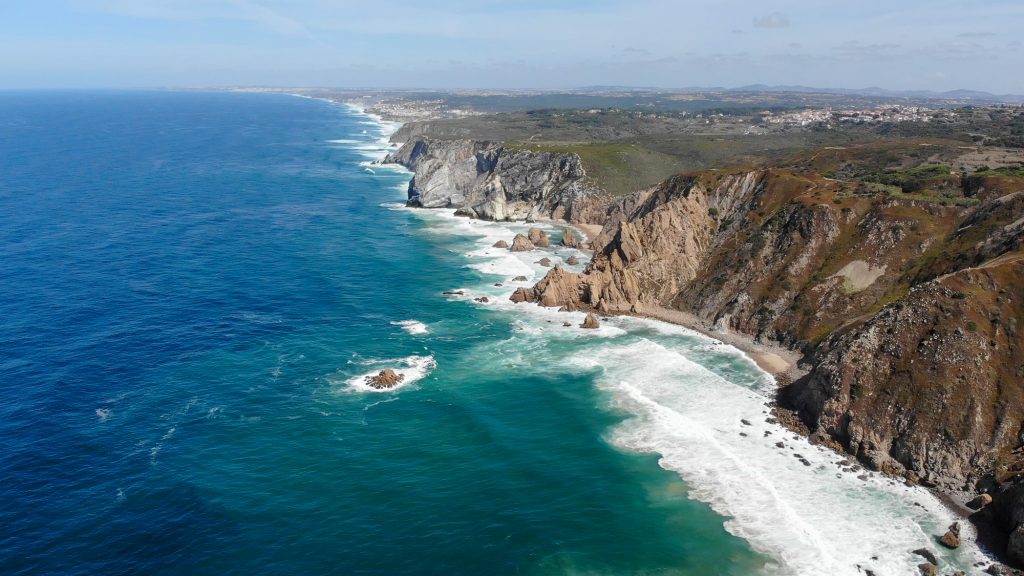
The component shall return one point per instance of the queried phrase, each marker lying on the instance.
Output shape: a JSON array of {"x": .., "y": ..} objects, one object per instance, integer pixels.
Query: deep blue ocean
[{"x": 194, "y": 286}]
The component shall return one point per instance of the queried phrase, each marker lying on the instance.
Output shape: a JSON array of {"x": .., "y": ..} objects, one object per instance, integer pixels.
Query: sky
[{"x": 513, "y": 44}]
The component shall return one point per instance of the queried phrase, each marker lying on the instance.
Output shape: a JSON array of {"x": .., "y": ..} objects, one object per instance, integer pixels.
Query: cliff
[
  {"x": 908, "y": 311},
  {"x": 493, "y": 182}
]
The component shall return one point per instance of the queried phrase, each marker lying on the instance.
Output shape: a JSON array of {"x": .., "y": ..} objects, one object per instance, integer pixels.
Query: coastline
[{"x": 777, "y": 361}]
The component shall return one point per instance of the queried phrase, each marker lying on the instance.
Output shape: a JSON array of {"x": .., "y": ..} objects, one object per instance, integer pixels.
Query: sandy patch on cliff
[{"x": 858, "y": 275}]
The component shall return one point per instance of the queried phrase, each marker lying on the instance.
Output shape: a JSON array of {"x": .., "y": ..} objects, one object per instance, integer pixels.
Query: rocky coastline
[{"x": 893, "y": 326}]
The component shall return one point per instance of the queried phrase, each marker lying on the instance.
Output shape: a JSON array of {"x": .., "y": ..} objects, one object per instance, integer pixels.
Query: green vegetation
[{"x": 616, "y": 168}]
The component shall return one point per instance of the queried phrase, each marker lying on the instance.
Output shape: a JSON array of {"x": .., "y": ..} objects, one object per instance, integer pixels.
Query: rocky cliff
[
  {"x": 909, "y": 312},
  {"x": 493, "y": 182}
]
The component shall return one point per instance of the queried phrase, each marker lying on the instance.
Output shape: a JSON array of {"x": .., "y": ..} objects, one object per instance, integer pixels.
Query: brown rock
[
  {"x": 928, "y": 569},
  {"x": 590, "y": 322},
  {"x": 951, "y": 539},
  {"x": 482, "y": 299},
  {"x": 520, "y": 279},
  {"x": 521, "y": 295},
  {"x": 385, "y": 379},
  {"x": 500, "y": 244},
  {"x": 927, "y": 555},
  {"x": 569, "y": 239},
  {"x": 538, "y": 237},
  {"x": 572, "y": 261},
  {"x": 544, "y": 262},
  {"x": 980, "y": 501},
  {"x": 521, "y": 244}
]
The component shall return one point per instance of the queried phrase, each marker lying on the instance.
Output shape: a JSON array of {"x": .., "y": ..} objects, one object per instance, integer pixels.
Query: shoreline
[{"x": 779, "y": 362}]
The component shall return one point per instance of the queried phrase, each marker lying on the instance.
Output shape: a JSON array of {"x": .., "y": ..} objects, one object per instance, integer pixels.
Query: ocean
[{"x": 195, "y": 286}]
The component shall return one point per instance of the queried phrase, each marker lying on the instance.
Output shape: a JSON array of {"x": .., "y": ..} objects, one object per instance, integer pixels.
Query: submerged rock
[
  {"x": 590, "y": 322},
  {"x": 452, "y": 293},
  {"x": 520, "y": 279},
  {"x": 500, "y": 244},
  {"x": 538, "y": 237},
  {"x": 482, "y": 299},
  {"x": 384, "y": 379},
  {"x": 521, "y": 244},
  {"x": 927, "y": 555}
]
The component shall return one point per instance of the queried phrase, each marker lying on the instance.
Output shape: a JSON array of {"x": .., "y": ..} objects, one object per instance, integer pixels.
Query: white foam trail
[
  {"x": 103, "y": 414},
  {"x": 414, "y": 368},
  {"x": 414, "y": 327},
  {"x": 810, "y": 519}
]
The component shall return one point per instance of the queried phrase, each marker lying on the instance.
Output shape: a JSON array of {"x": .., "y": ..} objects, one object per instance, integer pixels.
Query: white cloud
[{"x": 773, "y": 20}]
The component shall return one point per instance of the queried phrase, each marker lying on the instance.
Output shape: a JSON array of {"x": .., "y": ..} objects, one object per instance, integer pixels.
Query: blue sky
[{"x": 906, "y": 44}]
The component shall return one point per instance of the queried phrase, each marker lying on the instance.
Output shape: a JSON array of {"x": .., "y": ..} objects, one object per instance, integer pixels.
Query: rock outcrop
[
  {"x": 590, "y": 322},
  {"x": 538, "y": 237},
  {"x": 500, "y": 244},
  {"x": 494, "y": 182},
  {"x": 521, "y": 244},
  {"x": 387, "y": 378},
  {"x": 569, "y": 239}
]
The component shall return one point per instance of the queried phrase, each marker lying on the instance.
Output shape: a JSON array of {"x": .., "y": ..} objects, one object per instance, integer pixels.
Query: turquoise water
[{"x": 195, "y": 286}]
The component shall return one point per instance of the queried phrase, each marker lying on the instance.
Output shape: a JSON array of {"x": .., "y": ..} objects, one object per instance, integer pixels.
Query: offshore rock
[
  {"x": 544, "y": 262},
  {"x": 590, "y": 322},
  {"x": 521, "y": 244},
  {"x": 385, "y": 379},
  {"x": 538, "y": 237},
  {"x": 500, "y": 244},
  {"x": 572, "y": 261},
  {"x": 951, "y": 539}
]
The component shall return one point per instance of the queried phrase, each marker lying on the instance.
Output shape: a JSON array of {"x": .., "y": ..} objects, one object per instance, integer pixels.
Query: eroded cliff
[{"x": 492, "y": 182}]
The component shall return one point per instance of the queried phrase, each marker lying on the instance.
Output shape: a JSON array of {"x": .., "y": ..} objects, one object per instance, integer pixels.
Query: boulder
[
  {"x": 951, "y": 539},
  {"x": 453, "y": 293},
  {"x": 384, "y": 379},
  {"x": 569, "y": 239},
  {"x": 520, "y": 295},
  {"x": 521, "y": 244},
  {"x": 544, "y": 262},
  {"x": 927, "y": 555},
  {"x": 538, "y": 237},
  {"x": 590, "y": 322},
  {"x": 482, "y": 299},
  {"x": 520, "y": 279},
  {"x": 928, "y": 569},
  {"x": 500, "y": 244},
  {"x": 980, "y": 501},
  {"x": 572, "y": 261}
]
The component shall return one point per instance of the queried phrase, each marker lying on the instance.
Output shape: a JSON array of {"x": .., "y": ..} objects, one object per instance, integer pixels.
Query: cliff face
[
  {"x": 492, "y": 182},
  {"x": 909, "y": 312}
]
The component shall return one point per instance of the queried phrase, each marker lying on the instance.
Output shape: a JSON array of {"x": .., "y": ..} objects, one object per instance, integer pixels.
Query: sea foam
[{"x": 414, "y": 368}]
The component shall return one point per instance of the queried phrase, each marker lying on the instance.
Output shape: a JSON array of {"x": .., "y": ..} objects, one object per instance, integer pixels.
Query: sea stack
[{"x": 590, "y": 322}]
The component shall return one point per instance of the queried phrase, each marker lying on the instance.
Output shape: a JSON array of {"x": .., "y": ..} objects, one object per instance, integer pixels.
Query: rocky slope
[
  {"x": 493, "y": 182},
  {"x": 909, "y": 312},
  {"x": 908, "y": 309}
]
